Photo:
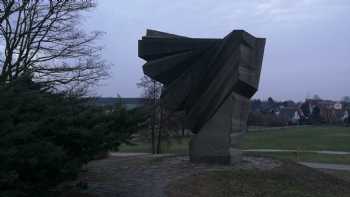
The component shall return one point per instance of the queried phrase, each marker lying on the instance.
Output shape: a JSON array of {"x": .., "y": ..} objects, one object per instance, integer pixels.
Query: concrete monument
[{"x": 212, "y": 80}]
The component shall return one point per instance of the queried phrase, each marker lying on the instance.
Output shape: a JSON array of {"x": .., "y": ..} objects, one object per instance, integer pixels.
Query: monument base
[{"x": 218, "y": 141}]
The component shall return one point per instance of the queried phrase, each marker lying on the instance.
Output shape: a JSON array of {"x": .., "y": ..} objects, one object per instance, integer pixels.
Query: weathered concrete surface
[
  {"x": 212, "y": 80},
  {"x": 219, "y": 139}
]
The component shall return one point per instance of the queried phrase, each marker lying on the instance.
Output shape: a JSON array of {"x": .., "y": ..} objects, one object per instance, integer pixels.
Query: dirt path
[
  {"x": 140, "y": 175},
  {"x": 326, "y": 166},
  {"x": 135, "y": 176},
  {"x": 145, "y": 175},
  {"x": 328, "y": 152}
]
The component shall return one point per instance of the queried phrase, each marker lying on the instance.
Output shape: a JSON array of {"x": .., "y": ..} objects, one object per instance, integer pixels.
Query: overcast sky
[{"x": 307, "y": 50}]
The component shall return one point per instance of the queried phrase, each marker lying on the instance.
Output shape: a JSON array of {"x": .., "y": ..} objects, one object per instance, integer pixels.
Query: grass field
[
  {"x": 310, "y": 157},
  {"x": 301, "y": 139},
  {"x": 176, "y": 146}
]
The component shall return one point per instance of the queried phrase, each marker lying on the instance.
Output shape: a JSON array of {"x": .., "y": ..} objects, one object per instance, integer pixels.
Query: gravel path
[
  {"x": 135, "y": 176},
  {"x": 326, "y": 166},
  {"x": 146, "y": 175},
  {"x": 140, "y": 175},
  {"x": 301, "y": 151}
]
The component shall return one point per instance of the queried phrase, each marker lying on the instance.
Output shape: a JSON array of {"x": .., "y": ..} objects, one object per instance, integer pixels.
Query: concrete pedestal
[{"x": 218, "y": 140}]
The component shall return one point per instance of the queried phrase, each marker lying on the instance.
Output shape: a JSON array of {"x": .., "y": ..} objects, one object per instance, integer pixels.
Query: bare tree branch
[{"x": 41, "y": 37}]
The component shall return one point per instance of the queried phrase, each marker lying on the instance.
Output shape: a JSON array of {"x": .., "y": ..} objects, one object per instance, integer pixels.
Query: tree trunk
[
  {"x": 153, "y": 135},
  {"x": 183, "y": 126},
  {"x": 160, "y": 131},
  {"x": 154, "y": 118}
]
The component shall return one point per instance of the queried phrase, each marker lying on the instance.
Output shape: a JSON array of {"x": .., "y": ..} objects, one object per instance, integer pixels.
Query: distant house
[
  {"x": 324, "y": 111},
  {"x": 129, "y": 103},
  {"x": 312, "y": 111},
  {"x": 322, "y": 103},
  {"x": 290, "y": 115},
  {"x": 338, "y": 106},
  {"x": 345, "y": 116}
]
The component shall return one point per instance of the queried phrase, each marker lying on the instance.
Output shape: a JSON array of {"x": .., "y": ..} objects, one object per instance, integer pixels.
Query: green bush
[{"x": 45, "y": 138}]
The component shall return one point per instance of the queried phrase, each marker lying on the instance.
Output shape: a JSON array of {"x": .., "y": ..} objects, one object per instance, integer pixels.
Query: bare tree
[
  {"x": 316, "y": 97},
  {"x": 151, "y": 88},
  {"x": 346, "y": 99},
  {"x": 163, "y": 122},
  {"x": 171, "y": 126},
  {"x": 42, "y": 38},
  {"x": 151, "y": 92}
]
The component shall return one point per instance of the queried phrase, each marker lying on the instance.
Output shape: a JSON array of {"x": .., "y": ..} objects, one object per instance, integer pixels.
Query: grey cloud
[{"x": 307, "y": 40}]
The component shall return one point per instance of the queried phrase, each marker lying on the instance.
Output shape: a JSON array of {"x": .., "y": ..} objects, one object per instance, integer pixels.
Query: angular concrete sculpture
[{"x": 212, "y": 80}]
